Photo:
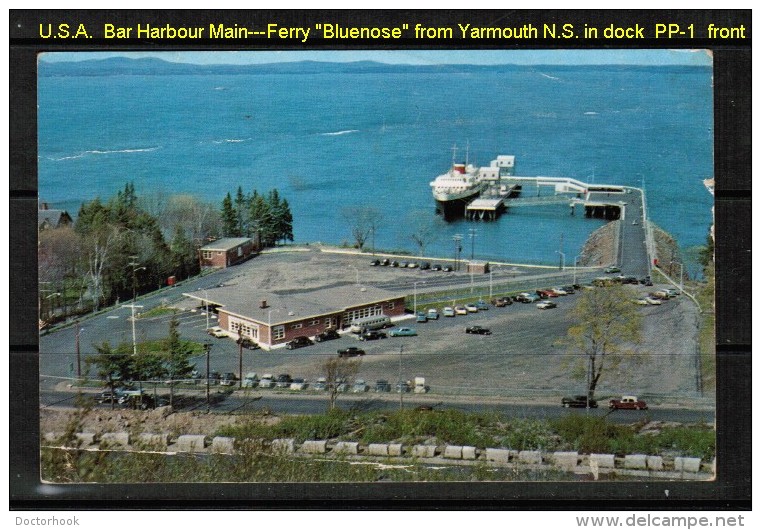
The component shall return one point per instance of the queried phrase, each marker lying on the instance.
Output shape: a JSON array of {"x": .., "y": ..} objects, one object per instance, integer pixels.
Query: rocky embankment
[{"x": 600, "y": 247}]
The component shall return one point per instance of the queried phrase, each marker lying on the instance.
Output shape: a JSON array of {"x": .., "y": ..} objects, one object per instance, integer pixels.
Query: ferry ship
[{"x": 464, "y": 182}]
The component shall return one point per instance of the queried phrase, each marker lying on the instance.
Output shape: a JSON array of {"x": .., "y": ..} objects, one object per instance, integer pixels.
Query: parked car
[
  {"x": 372, "y": 335},
  {"x": 403, "y": 332},
  {"x": 421, "y": 317},
  {"x": 559, "y": 291},
  {"x": 448, "y": 311},
  {"x": 342, "y": 386},
  {"x": 569, "y": 289},
  {"x": 385, "y": 262},
  {"x": 433, "y": 314},
  {"x": 482, "y": 306},
  {"x": 413, "y": 265},
  {"x": 527, "y": 298},
  {"x": 546, "y": 304},
  {"x": 320, "y": 384},
  {"x": 328, "y": 334},
  {"x": 435, "y": 267},
  {"x": 375, "y": 263},
  {"x": 631, "y": 280},
  {"x": 546, "y": 293},
  {"x": 107, "y": 396},
  {"x": 298, "y": 384},
  {"x": 460, "y": 310},
  {"x": 214, "y": 378},
  {"x": 447, "y": 268},
  {"x": 283, "y": 381},
  {"x": 251, "y": 380},
  {"x": 672, "y": 292},
  {"x": 628, "y": 403},
  {"x": 403, "y": 264},
  {"x": 502, "y": 302},
  {"x": 640, "y": 301},
  {"x": 299, "y": 342},
  {"x": 351, "y": 351},
  {"x": 653, "y": 301},
  {"x": 611, "y": 270},
  {"x": 472, "y": 308},
  {"x": 394, "y": 263},
  {"x": 267, "y": 381},
  {"x": 229, "y": 379},
  {"x": 403, "y": 386},
  {"x": 425, "y": 266},
  {"x": 248, "y": 343},
  {"x": 360, "y": 386},
  {"x": 578, "y": 402},
  {"x": 217, "y": 332},
  {"x": 382, "y": 385},
  {"x": 478, "y": 330}
]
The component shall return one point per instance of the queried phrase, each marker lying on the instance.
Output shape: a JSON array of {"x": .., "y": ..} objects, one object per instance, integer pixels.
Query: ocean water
[{"x": 328, "y": 141}]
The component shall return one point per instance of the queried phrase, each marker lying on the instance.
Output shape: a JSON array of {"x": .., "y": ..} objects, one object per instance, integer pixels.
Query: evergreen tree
[
  {"x": 240, "y": 212},
  {"x": 114, "y": 365},
  {"x": 177, "y": 364},
  {"x": 229, "y": 218}
]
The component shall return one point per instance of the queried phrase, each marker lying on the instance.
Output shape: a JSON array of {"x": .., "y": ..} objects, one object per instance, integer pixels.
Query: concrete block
[
  {"x": 346, "y": 448},
  {"x": 565, "y": 459},
  {"x": 147, "y": 439},
  {"x": 191, "y": 443},
  {"x": 52, "y": 436},
  {"x": 283, "y": 445},
  {"x": 377, "y": 449},
  {"x": 394, "y": 449},
  {"x": 655, "y": 463},
  {"x": 602, "y": 460},
  {"x": 453, "y": 451},
  {"x": 500, "y": 456},
  {"x": 314, "y": 446},
  {"x": 223, "y": 444},
  {"x": 85, "y": 438},
  {"x": 115, "y": 438},
  {"x": 687, "y": 464},
  {"x": 530, "y": 457},
  {"x": 635, "y": 462},
  {"x": 424, "y": 451},
  {"x": 468, "y": 452}
]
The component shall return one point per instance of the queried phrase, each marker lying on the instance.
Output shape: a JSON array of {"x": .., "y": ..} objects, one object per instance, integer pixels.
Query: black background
[{"x": 732, "y": 100}]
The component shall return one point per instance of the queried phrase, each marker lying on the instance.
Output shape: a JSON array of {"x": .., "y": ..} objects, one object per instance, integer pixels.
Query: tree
[
  {"x": 229, "y": 217},
  {"x": 177, "y": 358},
  {"x": 338, "y": 370},
  {"x": 363, "y": 221},
  {"x": 114, "y": 365},
  {"x": 608, "y": 324},
  {"x": 427, "y": 228}
]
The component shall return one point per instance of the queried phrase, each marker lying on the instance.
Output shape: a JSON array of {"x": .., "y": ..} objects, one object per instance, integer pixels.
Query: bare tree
[
  {"x": 608, "y": 325},
  {"x": 427, "y": 228},
  {"x": 363, "y": 222},
  {"x": 338, "y": 371},
  {"x": 99, "y": 245}
]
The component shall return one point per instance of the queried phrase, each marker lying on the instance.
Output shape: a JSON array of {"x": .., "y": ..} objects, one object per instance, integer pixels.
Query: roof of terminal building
[
  {"x": 288, "y": 306},
  {"x": 226, "y": 243}
]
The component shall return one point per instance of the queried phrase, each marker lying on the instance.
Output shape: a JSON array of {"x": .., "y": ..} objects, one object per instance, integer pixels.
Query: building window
[
  {"x": 278, "y": 332},
  {"x": 296, "y": 326},
  {"x": 207, "y": 254},
  {"x": 314, "y": 322},
  {"x": 390, "y": 305}
]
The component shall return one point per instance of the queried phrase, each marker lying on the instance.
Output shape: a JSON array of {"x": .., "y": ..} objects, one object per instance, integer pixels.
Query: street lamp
[
  {"x": 79, "y": 357},
  {"x": 575, "y": 264},
  {"x": 562, "y": 259},
  {"x": 472, "y": 234},
  {"x": 414, "y": 296}
]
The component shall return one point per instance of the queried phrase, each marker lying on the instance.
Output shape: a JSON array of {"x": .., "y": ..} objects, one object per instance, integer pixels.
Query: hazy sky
[{"x": 647, "y": 57}]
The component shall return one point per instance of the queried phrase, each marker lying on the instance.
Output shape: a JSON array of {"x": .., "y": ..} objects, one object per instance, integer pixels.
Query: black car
[
  {"x": 579, "y": 402},
  {"x": 478, "y": 330},
  {"x": 299, "y": 342},
  {"x": 382, "y": 385},
  {"x": 351, "y": 351},
  {"x": 328, "y": 334},
  {"x": 375, "y": 263},
  {"x": 283, "y": 381},
  {"x": 425, "y": 266},
  {"x": 229, "y": 379},
  {"x": 248, "y": 343},
  {"x": 372, "y": 335}
]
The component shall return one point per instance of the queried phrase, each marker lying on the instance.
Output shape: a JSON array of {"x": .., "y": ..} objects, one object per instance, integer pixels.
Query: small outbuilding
[
  {"x": 226, "y": 252},
  {"x": 478, "y": 267}
]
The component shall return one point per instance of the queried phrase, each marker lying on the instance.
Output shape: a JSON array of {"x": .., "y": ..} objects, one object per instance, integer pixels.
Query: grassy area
[
  {"x": 707, "y": 339},
  {"x": 575, "y": 432},
  {"x": 158, "y": 312}
]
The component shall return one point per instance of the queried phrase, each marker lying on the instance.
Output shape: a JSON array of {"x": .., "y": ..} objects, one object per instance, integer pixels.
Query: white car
[
  {"x": 640, "y": 301},
  {"x": 559, "y": 291},
  {"x": 448, "y": 312},
  {"x": 433, "y": 314},
  {"x": 546, "y": 304},
  {"x": 471, "y": 308},
  {"x": 653, "y": 301},
  {"x": 298, "y": 384},
  {"x": 460, "y": 310},
  {"x": 217, "y": 332}
]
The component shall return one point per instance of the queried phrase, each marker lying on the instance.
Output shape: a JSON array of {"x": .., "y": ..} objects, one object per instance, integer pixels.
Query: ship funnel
[{"x": 459, "y": 168}]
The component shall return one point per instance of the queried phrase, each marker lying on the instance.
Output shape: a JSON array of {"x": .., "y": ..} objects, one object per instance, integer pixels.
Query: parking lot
[{"x": 525, "y": 356}]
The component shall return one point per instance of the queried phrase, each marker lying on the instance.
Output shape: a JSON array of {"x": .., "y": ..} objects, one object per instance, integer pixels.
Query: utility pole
[
  {"x": 472, "y": 233},
  {"x": 401, "y": 386},
  {"x": 457, "y": 238},
  {"x": 207, "y": 347},
  {"x": 79, "y": 357}
]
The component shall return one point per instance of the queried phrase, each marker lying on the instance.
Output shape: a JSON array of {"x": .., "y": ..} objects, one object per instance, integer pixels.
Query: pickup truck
[{"x": 628, "y": 403}]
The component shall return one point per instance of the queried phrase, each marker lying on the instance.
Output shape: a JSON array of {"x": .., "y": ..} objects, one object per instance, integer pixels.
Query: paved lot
[{"x": 525, "y": 356}]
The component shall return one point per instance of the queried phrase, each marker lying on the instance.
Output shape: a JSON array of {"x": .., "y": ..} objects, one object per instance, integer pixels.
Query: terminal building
[{"x": 272, "y": 319}]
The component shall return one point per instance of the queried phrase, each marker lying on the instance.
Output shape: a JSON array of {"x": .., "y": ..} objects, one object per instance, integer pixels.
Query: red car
[{"x": 628, "y": 402}]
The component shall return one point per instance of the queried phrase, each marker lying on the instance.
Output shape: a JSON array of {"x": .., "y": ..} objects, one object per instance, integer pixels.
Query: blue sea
[{"x": 332, "y": 140}]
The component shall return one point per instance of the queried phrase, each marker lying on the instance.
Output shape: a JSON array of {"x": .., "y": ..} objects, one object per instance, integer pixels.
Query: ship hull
[{"x": 454, "y": 208}]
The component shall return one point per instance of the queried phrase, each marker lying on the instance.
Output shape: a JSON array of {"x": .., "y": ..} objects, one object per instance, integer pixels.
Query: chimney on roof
[
  {"x": 43, "y": 206},
  {"x": 263, "y": 304}
]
